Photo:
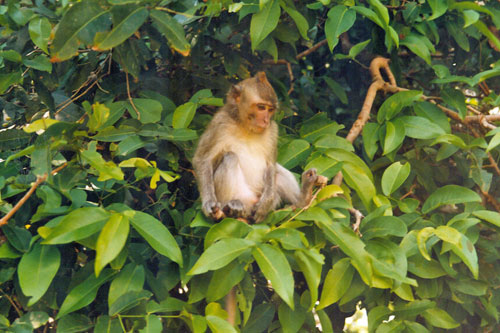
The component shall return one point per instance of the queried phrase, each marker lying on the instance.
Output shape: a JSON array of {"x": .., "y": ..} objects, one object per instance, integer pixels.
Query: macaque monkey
[{"x": 235, "y": 161}]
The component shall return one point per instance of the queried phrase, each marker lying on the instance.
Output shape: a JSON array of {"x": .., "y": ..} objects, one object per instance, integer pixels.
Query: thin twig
[
  {"x": 20, "y": 203},
  {"x": 130, "y": 98},
  {"x": 11, "y": 301}
]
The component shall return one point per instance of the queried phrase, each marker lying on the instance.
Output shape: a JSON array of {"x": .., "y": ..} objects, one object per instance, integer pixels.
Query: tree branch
[{"x": 28, "y": 194}]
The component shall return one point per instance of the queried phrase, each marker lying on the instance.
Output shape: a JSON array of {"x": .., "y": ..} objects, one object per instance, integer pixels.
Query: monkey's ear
[
  {"x": 234, "y": 94},
  {"x": 261, "y": 77}
]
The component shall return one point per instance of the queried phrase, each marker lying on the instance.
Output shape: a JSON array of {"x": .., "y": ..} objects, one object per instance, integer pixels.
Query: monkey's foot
[
  {"x": 321, "y": 181},
  {"x": 234, "y": 208},
  {"x": 212, "y": 209}
]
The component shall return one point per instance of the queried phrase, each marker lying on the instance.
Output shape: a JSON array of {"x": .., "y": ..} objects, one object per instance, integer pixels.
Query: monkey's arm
[
  {"x": 209, "y": 204},
  {"x": 268, "y": 199}
]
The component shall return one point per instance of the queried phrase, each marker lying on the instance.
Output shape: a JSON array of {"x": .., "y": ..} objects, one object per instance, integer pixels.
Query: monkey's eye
[{"x": 261, "y": 107}]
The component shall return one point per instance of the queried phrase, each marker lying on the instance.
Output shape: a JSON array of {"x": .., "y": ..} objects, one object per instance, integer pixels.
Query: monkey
[{"x": 235, "y": 160}]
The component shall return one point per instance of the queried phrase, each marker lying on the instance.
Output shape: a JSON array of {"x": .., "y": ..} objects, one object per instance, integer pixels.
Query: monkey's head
[{"x": 255, "y": 101}]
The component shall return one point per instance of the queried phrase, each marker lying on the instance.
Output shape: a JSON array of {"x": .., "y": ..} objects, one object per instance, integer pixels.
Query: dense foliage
[{"x": 103, "y": 101}]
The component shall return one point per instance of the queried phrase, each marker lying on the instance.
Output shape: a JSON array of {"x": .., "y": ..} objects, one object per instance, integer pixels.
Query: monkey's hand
[
  {"x": 212, "y": 209},
  {"x": 261, "y": 209}
]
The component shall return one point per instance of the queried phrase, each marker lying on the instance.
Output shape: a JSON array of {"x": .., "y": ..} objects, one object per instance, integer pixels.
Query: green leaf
[
  {"x": 276, "y": 269},
  {"x": 356, "y": 49},
  {"x": 351, "y": 245},
  {"x": 149, "y": 110},
  {"x": 456, "y": 99},
  {"x": 128, "y": 300},
  {"x": 450, "y": 139},
  {"x": 291, "y": 321},
  {"x": 172, "y": 30},
  {"x": 41, "y": 63},
  {"x": 156, "y": 234},
  {"x": 394, "y": 135},
  {"x": 220, "y": 254},
  {"x": 111, "y": 240},
  {"x": 439, "y": 318},
  {"x": 394, "y": 104},
  {"x": 494, "y": 142},
  {"x": 488, "y": 216},
  {"x": 298, "y": 18},
  {"x": 11, "y": 55},
  {"x": 227, "y": 228},
  {"x": 370, "y": 139},
  {"x": 84, "y": 293},
  {"x": 79, "y": 224},
  {"x": 183, "y": 115},
  {"x": 39, "y": 29},
  {"x": 325, "y": 166},
  {"x": 106, "y": 324},
  {"x": 126, "y": 20},
  {"x": 417, "y": 45},
  {"x": 449, "y": 195},
  {"x": 461, "y": 246},
  {"x": 153, "y": 324},
  {"x": 356, "y": 178},
  {"x": 74, "y": 322},
  {"x": 131, "y": 278},
  {"x": 337, "y": 282},
  {"x": 310, "y": 263},
  {"x": 439, "y": 7},
  {"x": 483, "y": 28},
  {"x": 383, "y": 226},
  {"x": 224, "y": 279},
  {"x": 421, "y": 128},
  {"x": 381, "y": 10},
  {"x": 394, "y": 176},
  {"x": 317, "y": 126},
  {"x": 264, "y": 22},
  {"x": 79, "y": 24},
  {"x": 106, "y": 170},
  {"x": 7, "y": 80},
  {"x": 37, "y": 269},
  {"x": 293, "y": 153},
  {"x": 219, "y": 325},
  {"x": 340, "y": 19},
  {"x": 470, "y": 17},
  {"x": 260, "y": 318},
  {"x": 337, "y": 89}
]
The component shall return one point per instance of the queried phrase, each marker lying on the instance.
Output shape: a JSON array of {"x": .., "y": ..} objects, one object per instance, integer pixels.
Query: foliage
[{"x": 114, "y": 95}]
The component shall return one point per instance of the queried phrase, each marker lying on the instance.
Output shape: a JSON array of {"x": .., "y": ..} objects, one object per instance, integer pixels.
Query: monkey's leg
[
  {"x": 231, "y": 188},
  {"x": 289, "y": 190}
]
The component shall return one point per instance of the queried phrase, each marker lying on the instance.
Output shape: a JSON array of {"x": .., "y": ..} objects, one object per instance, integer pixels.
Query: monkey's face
[{"x": 259, "y": 113}]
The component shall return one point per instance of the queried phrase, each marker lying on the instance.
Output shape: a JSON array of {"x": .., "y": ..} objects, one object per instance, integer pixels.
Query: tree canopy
[{"x": 396, "y": 102}]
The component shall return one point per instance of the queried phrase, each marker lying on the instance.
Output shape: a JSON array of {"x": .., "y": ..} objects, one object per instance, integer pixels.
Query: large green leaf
[
  {"x": 310, "y": 263},
  {"x": 84, "y": 293},
  {"x": 383, "y": 226},
  {"x": 39, "y": 29},
  {"x": 105, "y": 169},
  {"x": 337, "y": 282},
  {"x": 224, "y": 279},
  {"x": 298, "y": 18},
  {"x": 351, "y": 245},
  {"x": 340, "y": 19},
  {"x": 276, "y": 269},
  {"x": 488, "y": 216},
  {"x": 79, "y": 224},
  {"x": 421, "y": 128},
  {"x": 461, "y": 246},
  {"x": 184, "y": 114},
  {"x": 456, "y": 99},
  {"x": 220, "y": 254},
  {"x": 131, "y": 278},
  {"x": 79, "y": 24},
  {"x": 394, "y": 135},
  {"x": 439, "y": 7},
  {"x": 394, "y": 104},
  {"x": 449, "y": 195},
  {"x": 111, "y": 240},
  {"x": 172, "y": 30},
  {"x": 293, "y": 153},
  {"x": 156, "y": 234},
  {"x": 439, "y": 318},
  {"x": 394, "y": 176},
  {"x": 264, "y": 22},
  {"x": 219, "y": 325},
  {"x": 126, "y": 20},
  {"x": 37, "y": 269},
  {"x": 291, "y": 320},
  {"x": 128, "y": 300},
  {"x": 149, "y": 110}
]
